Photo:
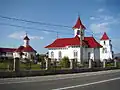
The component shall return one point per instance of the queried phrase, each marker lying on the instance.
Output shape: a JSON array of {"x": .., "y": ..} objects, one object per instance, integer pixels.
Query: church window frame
[
  {"x": 52, "y": 54},
  {"x": 75, "y": 53},
  {"x": 78, "y": 32},
  {"x": 104, "y": 50},
  {"x": 104, "y": 42},
  {"x": 59, "y": 54}
]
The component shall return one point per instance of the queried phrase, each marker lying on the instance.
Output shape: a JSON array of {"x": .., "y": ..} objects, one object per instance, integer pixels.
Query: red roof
[
  {"x": 7, "y": 49},
  {"x": 91, "y": 42},
  {"x": 19, "y": 49},
  {"x": 26, "y": 38},
  {"x": 62, "y": 42},
  {"x": 104, "y": 37},
  {"x": 28, "y": 48},
  {"x": 79, "y": 25}
]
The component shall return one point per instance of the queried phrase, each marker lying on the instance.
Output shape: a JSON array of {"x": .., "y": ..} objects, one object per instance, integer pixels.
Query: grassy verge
[{"x": 3, "y": 65}]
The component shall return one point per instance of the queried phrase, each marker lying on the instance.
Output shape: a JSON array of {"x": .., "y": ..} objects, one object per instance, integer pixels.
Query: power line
[
  {"x": 35, "y": 22},
  {"x": 39, "y": 29}
]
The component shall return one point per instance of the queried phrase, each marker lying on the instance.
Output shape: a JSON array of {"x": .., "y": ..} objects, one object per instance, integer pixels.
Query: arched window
[
  {"x": 75, "y": 54},
  {"x": 104, "y": 42},
  {"x": 60, "y": 54},
  {"x": 78, "y": 32},
  {"x": 104, "y": 50},
  {"x": 52, "y": 54}
]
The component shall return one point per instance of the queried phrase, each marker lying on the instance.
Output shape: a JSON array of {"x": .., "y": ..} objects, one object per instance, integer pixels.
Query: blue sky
[{"x": 97, "y": 15}]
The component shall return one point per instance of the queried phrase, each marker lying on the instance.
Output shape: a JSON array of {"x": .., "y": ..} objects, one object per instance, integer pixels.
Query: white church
[
  {"x": 25, "y": 51},
  {"x": 81, "y": 47}
]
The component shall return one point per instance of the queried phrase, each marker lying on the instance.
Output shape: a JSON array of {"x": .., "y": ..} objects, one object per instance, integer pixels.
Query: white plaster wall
[
  {"x": 56, "y": 51},
  {"x": 94, "y": 53},
  {"x": 109, "y": 50},
  {"x": 26, "y": 55},
  {"x": 16, "y": 55}
]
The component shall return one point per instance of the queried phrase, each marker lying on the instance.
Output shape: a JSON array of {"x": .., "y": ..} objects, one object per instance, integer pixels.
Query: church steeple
[
  {"x": 79, "y": 28},
  {"x": 79, "y": 24},
  {"x": 26, "y": 40},
  {"x": 105, "y": 37}
]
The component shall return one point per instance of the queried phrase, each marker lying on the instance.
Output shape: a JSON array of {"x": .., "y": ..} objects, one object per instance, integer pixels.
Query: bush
[{"x": 65, "y": 62}]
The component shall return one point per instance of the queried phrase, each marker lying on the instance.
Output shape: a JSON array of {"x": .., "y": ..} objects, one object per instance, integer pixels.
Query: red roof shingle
[
  {"x": 28, "y": 48},
  {"x": 62, "y": 42},
  {"x": 7, "y": 49},
  {"x": 104, "y": 37},
  {"x": 79, "y": 25},
  {"x": 91, "y": 42}
]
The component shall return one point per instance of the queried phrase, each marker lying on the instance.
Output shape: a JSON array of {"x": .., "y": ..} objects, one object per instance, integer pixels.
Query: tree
[{"x": 65, "y": 62}]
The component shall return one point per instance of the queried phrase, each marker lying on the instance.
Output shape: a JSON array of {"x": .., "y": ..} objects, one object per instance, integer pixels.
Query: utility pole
[{"x": 81, "y": 46}]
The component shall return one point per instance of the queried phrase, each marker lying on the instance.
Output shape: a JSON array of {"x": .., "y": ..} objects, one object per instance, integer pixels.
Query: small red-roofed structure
[{"x": 26, "y": 50}]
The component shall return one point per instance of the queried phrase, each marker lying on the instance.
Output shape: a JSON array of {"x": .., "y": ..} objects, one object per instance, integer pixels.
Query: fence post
[
  {"x": 104, "y": 63},
  {"x": 47, "y": 60},
  {"x": 90, "y": 63},
  {"x": 16, "y": 64},
  {"x": 115, "y": 63},
  {"x": 72, "y": 63}
]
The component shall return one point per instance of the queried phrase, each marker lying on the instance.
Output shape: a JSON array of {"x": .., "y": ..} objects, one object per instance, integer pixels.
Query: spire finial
[
  {"x": 26, "y": 33},
  {"x": 26, "y": 37},
  {"x": 78, "y": 14}
]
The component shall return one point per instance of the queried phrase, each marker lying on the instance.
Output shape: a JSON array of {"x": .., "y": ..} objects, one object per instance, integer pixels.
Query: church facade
[
  {"x": 71, "y": 47},
  {"x": 78, "y": 47}
]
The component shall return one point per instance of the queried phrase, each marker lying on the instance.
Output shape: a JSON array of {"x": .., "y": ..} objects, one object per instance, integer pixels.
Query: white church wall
[
  {"x": 64, "y": 52},
  {"x": 69, "y": 52},
  {"x": 108, "y": 53},
  {"x": 25, "y": 55},
  {"x": 16, "y": 55}
]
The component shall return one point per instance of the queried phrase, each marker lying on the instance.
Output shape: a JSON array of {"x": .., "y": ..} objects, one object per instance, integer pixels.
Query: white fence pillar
[
  {"x": 104, "y": 63},
  {"x": 72, "y": 63},
  {"x": 16, "y": 65},
  {"x": 90, "y": 63},
  {"x": 47, "y": 64},
  {"x": 115, "y": 63}
]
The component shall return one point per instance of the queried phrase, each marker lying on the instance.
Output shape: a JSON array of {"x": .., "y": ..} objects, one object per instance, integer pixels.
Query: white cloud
[
  {"x": 101, "y": 10},
  {"x": 99, "y": 27},
  {"x": 20, "y": 35},
  {"x": 17, "y": 35},
  {"x": 35, "y": 37},
  {"x": 102, "y": 23},
  {"x": 46, "y": 32}
]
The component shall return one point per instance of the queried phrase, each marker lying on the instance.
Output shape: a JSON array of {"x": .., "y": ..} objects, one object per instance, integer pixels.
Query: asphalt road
[{"x": 104, "y": 80}]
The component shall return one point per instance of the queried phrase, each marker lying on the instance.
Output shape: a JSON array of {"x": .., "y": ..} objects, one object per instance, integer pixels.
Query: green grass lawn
[
  {"x": 3, "y": 65},
  {"x": 28, "y": 66}
]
